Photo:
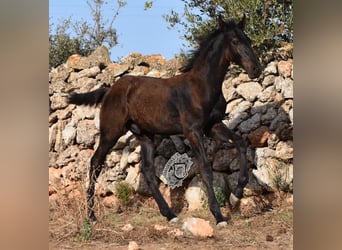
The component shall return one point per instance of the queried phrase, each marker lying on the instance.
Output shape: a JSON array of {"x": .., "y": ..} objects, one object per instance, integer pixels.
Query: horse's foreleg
[
  {"x": 220, "y": 132},
  {"x": 196, "y": 140},
  {"x": 147, "y": 168}
]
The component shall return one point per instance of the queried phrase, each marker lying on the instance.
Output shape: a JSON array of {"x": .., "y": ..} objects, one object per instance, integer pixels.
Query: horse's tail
[{"x": 90, "y": 98}]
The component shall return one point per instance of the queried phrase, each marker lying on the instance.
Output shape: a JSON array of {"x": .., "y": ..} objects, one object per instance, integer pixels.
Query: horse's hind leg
[
  {"x": 96, "y": 165},
  {"x": 111, "y": 128},
  {"x": 147, "y": 168},
  {"x": 220, "y": 132}
]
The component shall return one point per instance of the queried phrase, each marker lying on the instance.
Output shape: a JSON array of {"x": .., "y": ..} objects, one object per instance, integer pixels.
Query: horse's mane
[{"x": 204, "y": 43}]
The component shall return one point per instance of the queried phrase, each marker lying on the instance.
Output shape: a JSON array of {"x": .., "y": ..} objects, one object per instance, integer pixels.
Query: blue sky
[{"x": 139, "y": 31}]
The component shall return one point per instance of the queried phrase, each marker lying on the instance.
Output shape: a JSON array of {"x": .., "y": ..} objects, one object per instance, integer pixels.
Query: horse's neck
[{"x": 212, "y": 70}]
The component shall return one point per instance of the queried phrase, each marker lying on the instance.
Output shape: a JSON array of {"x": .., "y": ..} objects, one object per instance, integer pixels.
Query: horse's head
[{"x": 239, "y": 48}]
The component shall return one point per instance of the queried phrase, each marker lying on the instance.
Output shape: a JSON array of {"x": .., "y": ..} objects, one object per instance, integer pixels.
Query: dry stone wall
[{"x": 261, "y": 111}]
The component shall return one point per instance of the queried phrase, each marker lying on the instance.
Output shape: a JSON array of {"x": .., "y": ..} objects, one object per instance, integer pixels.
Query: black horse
[{"x": 191, "y": 103}]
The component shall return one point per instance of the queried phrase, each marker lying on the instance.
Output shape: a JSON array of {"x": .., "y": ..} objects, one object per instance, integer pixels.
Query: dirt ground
[{"x": 269, "y": 229}]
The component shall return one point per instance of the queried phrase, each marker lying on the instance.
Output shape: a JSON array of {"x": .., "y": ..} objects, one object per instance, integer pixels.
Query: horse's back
[{"x": 148, "y": 101}]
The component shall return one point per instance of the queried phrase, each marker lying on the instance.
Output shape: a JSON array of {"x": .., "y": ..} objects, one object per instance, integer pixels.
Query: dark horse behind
[{"x": 190, "y": 103}]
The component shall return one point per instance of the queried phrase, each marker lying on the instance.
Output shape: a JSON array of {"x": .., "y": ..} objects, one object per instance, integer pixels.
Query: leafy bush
[
  {"x": 86, "y": 36},
  {"x": 61, "y": 45},
  {"x": 270, "y": 22}
]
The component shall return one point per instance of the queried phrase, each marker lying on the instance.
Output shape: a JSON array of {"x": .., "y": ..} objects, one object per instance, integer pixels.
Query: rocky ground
[{"x": 140, "y": 222}]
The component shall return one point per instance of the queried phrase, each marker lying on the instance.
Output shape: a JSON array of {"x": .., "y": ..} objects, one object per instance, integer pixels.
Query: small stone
[
  {"x": 250, "y": 206},
  {"x": 111, "y": 202},
  {"x": 159, "y": 227},
  {"x": 175, "y": 233},
  {"x": 127, "y": 228},
  {"x": 198, "y": 227},
  {"x": 133, "y": 246}
]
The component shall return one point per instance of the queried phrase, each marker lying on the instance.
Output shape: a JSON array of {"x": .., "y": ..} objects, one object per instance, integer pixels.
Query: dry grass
[{"x": 69, "y": 230}]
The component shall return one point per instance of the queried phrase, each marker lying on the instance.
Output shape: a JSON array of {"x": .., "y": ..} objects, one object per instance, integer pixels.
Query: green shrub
[
  {"x": 123, "y": 192},
  {"x": 85, "y": 232},
  {"x": 220, "y": 196}
]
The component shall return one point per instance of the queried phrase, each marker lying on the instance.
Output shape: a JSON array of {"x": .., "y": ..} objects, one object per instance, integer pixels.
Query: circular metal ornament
[{"x": 177, "y": 169}]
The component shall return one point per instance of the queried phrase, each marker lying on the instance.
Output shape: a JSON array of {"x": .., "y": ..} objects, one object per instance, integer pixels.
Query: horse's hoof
[
  {"x": 174, "y": 220},
  {"x": 233, "y": 200},
  {"x": 221, "y": 224}
]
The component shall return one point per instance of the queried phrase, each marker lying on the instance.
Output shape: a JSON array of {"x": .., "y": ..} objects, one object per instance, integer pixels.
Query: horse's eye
[{"x": 236, "y": 42}]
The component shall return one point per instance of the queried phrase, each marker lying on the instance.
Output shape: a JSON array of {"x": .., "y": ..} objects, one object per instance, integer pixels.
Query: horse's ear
[
  {"x": 242, "y": 23},
  {"x": 221, "y": 23}
]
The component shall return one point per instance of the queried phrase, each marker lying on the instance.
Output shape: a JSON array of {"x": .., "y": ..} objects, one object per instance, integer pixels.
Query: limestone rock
[
  {"x": 132, "y": 245},
  {"x": 116, "y": 69},
  {"x": 268, "y": 80},
  {"x": 268, "y": 95},
  {"x": 284, "y": 86},
  {"x": 99, "y": 57},
  {"x": 85, "y": 73},
  {"x": 58, "y": 101},
  {"x": 136, "y": 179},
  {"x": 258, "y": 138},
  {"x": 271, "y": 173},
  {"x": 60, "y": 73},
  {"x": 194, "y": 194},
  {"x": 285, "y": 68},
  {"x": 249, "y": 90},
  {"x": 284, "y": 150},
  {"x": 69, "y": 134},
  {"x": 271, "y": 68},
  {"x": 198, "y": 227},
  {"x": 86, "y": 132},
  {"x": 111, "y": 202}
]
